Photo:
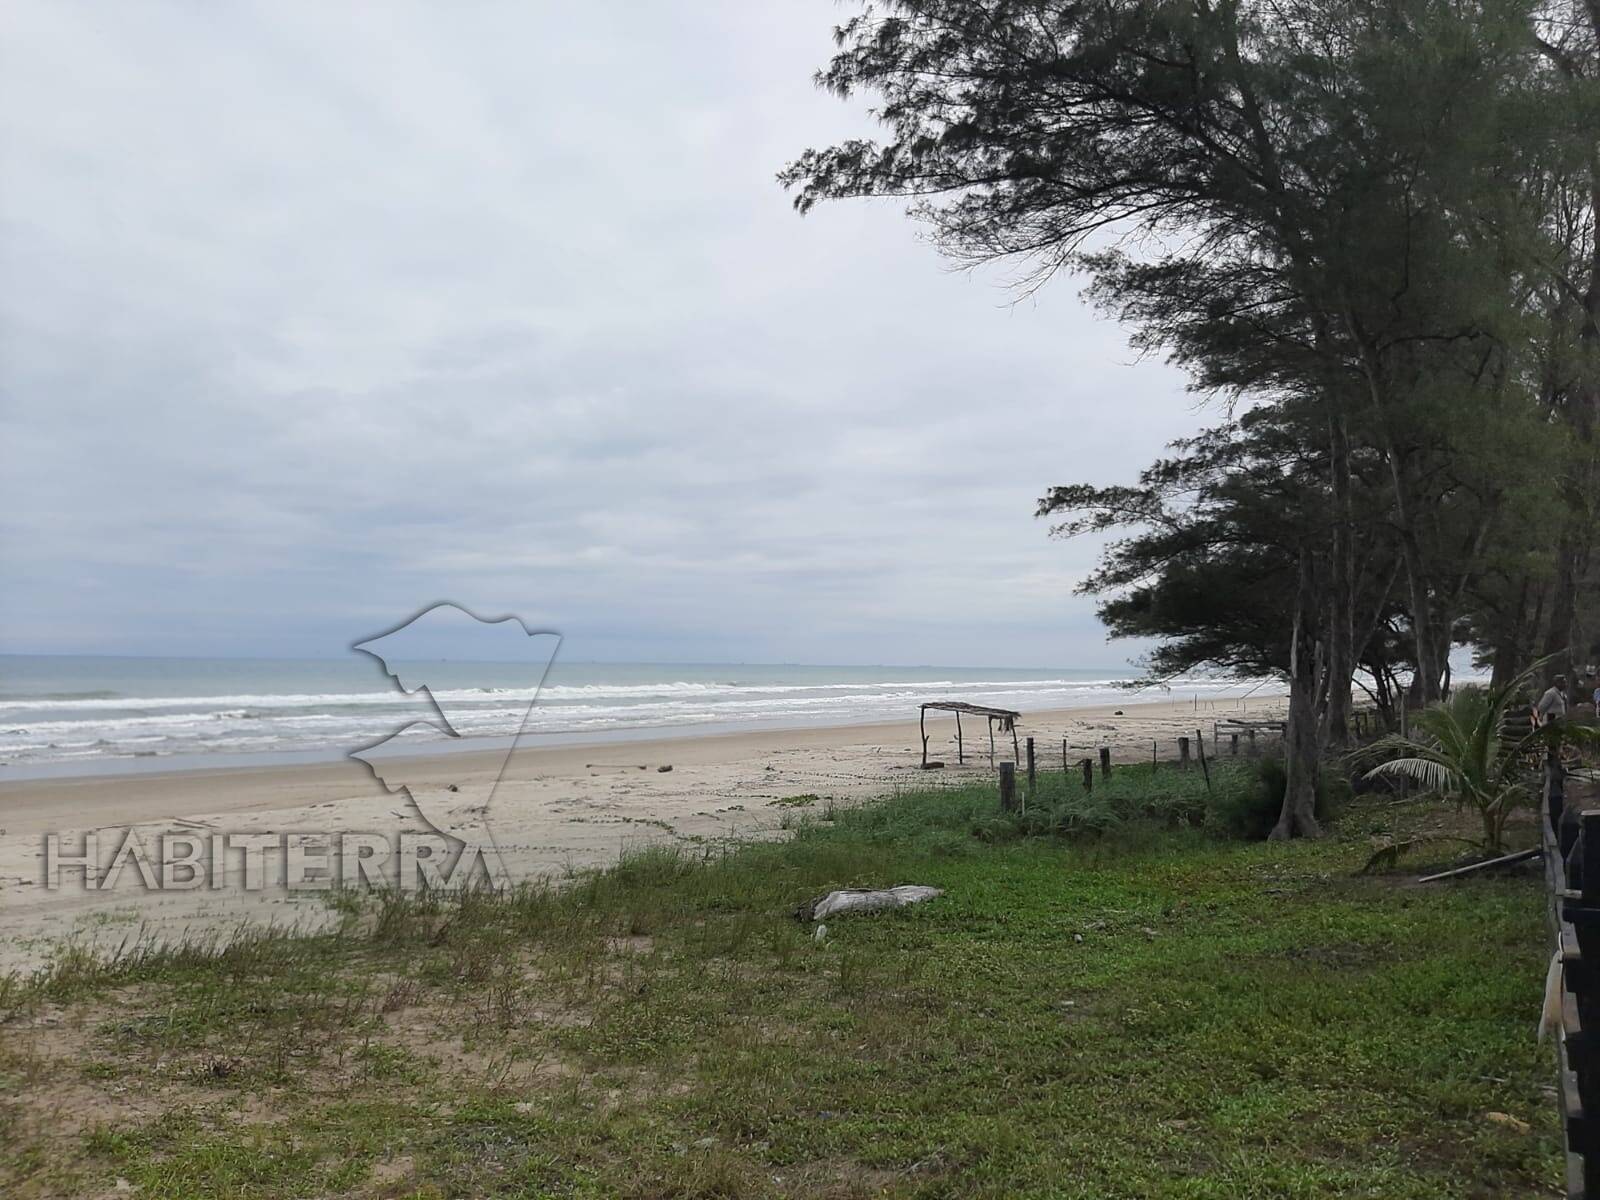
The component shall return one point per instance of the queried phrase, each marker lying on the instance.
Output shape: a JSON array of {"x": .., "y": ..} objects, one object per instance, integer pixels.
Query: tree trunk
[
  {"x": 1384, "y": 693},
  {"x": 1509, "y": 641},
  {"x": 1426, "y": 684},
  {"x": 1411, "y": 553},
  {"x": 1302, "y": 754},
  {"x": 1563, "y": 605},
  {"x": 1341, "y": 628},
  {"x": 1583, "y": 413}
]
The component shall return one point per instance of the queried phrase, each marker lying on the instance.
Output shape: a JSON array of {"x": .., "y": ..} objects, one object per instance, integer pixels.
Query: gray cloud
[{"x": 312, "y": 314}]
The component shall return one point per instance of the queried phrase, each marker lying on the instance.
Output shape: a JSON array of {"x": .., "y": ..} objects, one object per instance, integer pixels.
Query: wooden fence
[
  {"x": 1019, "y": 778},
  {"x": 1571, "y": 843}
]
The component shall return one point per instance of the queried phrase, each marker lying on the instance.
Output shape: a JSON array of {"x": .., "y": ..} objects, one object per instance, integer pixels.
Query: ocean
[{"x": 65, "y": 715}]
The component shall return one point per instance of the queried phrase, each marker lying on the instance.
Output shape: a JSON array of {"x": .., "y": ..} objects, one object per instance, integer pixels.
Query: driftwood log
[{"x": 857, "y": 900}]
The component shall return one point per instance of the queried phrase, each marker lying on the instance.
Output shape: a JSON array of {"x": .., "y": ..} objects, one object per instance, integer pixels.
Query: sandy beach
[{"x": 554, "y": 810}]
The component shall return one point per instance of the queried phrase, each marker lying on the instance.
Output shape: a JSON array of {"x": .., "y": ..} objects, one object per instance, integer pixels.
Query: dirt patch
[
  {"x": 843, "y": 1179},
  {"x": 389, "y": 1177},
  {"x": 641, "y": 943},
  {"x": 61, "y": 1083}
]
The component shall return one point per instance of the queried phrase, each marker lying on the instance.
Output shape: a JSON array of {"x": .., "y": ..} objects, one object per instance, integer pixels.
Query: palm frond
[
  {"x": 1507, "y": 797},
  {"x": 1431, "y": 774},
  {"x": 1459, "y": 750}
]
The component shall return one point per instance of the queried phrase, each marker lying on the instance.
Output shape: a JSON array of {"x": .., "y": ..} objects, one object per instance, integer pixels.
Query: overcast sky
[{"x": 313, "y": 314}]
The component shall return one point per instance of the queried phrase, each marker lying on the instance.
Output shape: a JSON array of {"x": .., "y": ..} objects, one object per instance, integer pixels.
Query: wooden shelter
[{"x": 1003, "y": 717}]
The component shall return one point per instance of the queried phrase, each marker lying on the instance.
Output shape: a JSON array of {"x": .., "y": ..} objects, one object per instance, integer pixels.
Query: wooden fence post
[
  {"x": 1064, "y": 767},
  {"x": 1105, "y": 762},
  {"x": 1183, "y": 754},
  {"x": 1233, "y": 744},
  {"x": 1200, "y": 738},
  {"x": 1033, "y": 775},
  {"x": 1088, "y": 774},
  {"x": 1008, "y": 787}
]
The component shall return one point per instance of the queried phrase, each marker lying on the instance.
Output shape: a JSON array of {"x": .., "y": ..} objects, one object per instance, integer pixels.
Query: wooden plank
[
  {"x": 1576, "y": 912},
  {"x": 1574, "y": 1121},
  {"x": 1580, "y": 1047}
]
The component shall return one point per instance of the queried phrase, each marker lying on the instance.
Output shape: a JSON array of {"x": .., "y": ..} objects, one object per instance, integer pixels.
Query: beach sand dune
[{"x": 555, "y": 810}]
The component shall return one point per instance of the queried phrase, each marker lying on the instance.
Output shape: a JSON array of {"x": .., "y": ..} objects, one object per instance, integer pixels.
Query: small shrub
[
  {"x": 1249, "y": 805},
  {"x": 1058, "y": 806}
]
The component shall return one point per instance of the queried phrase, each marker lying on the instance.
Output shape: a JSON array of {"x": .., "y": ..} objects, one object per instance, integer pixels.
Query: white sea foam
[{"x": 54, "y": 721}]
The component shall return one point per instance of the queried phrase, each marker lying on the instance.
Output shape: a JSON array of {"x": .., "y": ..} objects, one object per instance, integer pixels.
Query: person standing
[{"x": 1552, "y": 706}]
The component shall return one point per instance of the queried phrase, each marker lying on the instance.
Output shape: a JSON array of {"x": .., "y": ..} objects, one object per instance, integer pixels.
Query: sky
[{"x": 312, "y": 315}]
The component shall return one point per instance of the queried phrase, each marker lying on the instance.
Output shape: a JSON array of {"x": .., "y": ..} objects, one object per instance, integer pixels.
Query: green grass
[{"x": 1138, "y": 1009}]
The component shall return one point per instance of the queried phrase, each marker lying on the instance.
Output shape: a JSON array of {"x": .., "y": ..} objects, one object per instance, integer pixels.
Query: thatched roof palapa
[{"x": 1006, "y": 718}]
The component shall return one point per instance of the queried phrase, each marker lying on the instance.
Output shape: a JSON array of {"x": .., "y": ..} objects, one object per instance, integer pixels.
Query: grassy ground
[{"x": 1151, "y": 1012}]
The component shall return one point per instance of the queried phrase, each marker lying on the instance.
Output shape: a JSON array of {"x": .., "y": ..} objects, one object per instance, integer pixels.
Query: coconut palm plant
[{"x": 1462, "y": 748}]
